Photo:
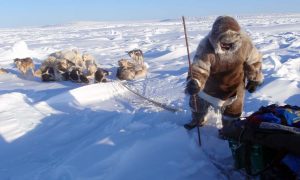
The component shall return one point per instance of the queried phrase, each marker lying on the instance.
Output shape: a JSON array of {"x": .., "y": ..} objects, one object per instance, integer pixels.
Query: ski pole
[{"x": 191, "y": 74}]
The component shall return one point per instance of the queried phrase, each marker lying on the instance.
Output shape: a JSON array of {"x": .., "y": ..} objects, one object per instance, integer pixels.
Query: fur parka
[{"x": 224, "y": 60}]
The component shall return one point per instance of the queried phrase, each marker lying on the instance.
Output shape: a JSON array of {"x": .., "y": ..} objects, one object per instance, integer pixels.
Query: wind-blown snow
[{"x": 63, "y": 130}]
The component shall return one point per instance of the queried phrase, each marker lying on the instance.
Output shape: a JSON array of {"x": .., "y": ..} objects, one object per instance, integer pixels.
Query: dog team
[{"x": 71, "y": 65}]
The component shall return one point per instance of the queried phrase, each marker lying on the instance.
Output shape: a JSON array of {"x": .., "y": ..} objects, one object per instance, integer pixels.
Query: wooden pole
[{"x": 191, "y": 74}]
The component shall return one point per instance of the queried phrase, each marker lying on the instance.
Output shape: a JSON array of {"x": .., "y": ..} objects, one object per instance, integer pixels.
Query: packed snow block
[{"x": 129, "y": 70}]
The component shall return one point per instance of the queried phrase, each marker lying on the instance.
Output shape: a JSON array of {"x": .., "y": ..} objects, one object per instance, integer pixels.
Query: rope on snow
[{"x": 158, "y": 104}]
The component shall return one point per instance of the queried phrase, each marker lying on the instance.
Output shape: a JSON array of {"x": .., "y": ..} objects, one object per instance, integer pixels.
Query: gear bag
[{"x": 266, "y": 140}]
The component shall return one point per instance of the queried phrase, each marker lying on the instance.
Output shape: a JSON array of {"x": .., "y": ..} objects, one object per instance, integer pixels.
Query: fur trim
[
  {"x": 223, "y": 24},
  {"x": 226, "y": 37},
  {"x": 225, "y": 30}
]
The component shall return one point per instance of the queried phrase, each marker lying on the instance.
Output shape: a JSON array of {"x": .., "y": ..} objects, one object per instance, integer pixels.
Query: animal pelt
[
  {"x": 127, "y": 70},
  {"x": 24, "y": 65},
  {"x": 100, "y": 75},
  {"x": 3, "y": 71}
]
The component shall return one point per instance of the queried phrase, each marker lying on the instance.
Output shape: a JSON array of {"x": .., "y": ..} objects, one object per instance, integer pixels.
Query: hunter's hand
[
  {"x": 251, "y": 86},
  {"x": 192, "y": 87}
]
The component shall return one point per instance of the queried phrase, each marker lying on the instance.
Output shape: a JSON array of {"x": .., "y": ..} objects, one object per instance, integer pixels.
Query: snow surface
[{"x": 63, "y": 130}]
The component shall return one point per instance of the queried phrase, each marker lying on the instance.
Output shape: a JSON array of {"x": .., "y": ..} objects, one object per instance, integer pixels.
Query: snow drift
[{"x": 63, "y": 130}]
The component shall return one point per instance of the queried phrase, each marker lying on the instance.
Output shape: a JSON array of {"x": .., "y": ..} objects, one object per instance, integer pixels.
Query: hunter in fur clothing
[{"x": 224, "y": 61}]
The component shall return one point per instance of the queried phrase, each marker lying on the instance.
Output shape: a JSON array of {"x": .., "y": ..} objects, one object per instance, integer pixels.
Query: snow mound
[
  {"x": 21, "y": 50},
  {"x": 18, "y": 50},
  {"x": 18, "y": 116},
  {"x": 89, "y": 95}
]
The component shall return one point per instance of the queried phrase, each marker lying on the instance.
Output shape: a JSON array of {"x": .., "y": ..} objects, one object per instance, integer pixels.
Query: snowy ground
[{"x": 101, "y": 131}]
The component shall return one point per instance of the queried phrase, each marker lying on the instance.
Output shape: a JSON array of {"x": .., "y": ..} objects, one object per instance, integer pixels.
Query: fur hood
[{"x": 225, "y": 30}]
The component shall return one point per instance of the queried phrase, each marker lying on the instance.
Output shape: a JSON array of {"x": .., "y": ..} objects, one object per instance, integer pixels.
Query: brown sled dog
[
  {"x": 100, "y": 75},
  {"x": 24, "y": 65},
  {"x": 137, "y": 56},
  {"x": 3, "y": 71},
  {"x": 128, "y": 70}
]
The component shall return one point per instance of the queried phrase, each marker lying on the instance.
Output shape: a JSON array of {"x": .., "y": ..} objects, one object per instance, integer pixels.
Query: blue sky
[{"x": 44, "y": 12}]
